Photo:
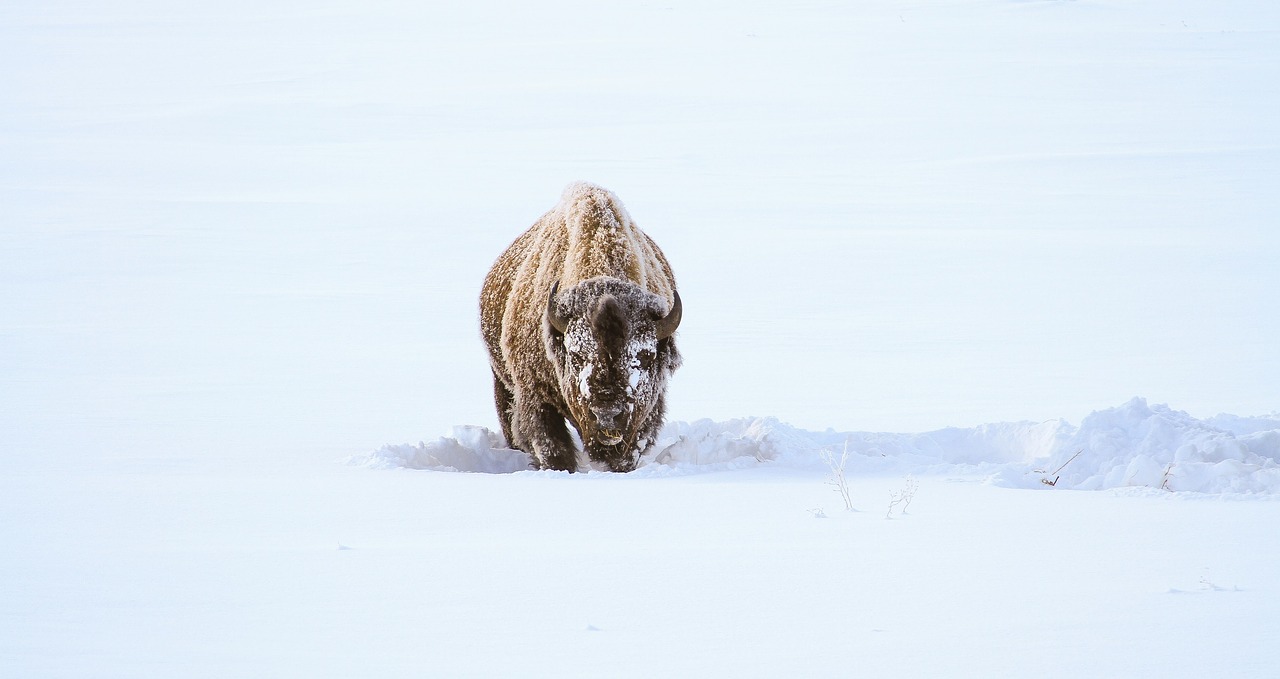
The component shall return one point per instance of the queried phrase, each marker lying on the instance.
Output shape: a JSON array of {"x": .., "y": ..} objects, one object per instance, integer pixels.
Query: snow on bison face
[{"x": 608, "y": 341}]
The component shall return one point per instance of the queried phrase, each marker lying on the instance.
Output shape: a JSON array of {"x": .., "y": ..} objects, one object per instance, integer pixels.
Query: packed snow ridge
[{"x": 1132, "y": 445}]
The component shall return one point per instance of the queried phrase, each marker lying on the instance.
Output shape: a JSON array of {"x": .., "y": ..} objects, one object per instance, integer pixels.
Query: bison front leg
[
  {"x": 541, "y": 432},
  {"x": 502, "y": 400}
]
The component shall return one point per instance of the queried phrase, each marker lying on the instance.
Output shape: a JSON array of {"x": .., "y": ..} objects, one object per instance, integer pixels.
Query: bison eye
[{"x": 646, "y": 359}]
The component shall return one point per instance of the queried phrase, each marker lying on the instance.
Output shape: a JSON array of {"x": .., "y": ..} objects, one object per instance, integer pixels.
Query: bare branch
[{"x": 837, "y": 478}]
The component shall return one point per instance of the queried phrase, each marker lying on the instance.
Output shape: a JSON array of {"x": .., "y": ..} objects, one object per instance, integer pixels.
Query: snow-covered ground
[
  {"x": 240, "y": 249},
  {"x": 342, "y": 572}
]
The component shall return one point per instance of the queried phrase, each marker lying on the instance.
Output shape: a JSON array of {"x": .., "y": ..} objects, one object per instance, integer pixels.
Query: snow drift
[
  {"x": 1131, "y": 445},
  {"x": 1155, "y": 446}
]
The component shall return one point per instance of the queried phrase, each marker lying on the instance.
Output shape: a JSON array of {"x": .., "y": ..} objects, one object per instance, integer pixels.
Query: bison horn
[
  {"x": 667, "y": 324},
  {"x": 560, "y": 323}
]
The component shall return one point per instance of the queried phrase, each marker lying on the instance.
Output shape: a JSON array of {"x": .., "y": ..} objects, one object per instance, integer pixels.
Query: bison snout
[
  {"x": 607, "y": 417},
  {"x": 608, "y": 425}
]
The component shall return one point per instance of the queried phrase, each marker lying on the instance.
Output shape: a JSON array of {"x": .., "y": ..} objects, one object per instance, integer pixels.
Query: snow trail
[{"x": 1131, "y": 445}]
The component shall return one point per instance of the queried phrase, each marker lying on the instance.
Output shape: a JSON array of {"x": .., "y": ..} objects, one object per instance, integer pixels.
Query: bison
[{"x": 579, "y": 316}]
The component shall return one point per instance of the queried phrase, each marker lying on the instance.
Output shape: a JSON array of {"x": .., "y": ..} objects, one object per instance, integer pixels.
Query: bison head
[{"x": 610, "y": 340}]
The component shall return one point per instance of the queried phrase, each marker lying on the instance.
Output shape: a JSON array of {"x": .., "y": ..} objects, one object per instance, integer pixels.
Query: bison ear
[
  {"x": 560, "y": 323},
  {"x": 667, "y": 324}
]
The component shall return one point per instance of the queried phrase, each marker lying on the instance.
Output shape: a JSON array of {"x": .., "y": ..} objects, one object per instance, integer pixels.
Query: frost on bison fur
[{"x": 578, "y": 315}]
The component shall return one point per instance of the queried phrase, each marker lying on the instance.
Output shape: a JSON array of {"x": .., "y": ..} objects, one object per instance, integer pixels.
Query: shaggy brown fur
[{"x": 607, "y": 371}]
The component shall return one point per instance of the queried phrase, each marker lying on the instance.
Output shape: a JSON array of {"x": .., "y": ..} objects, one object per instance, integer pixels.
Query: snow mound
[
  {"x": 1131, "y": 445},
  {"x": 467, "y": 449},
  {"x": 768, "y": 440},
  {"x": 1157, "y": 447}
]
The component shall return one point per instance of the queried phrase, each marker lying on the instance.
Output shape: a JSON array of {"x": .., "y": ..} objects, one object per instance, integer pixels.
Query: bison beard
[{"x": 597, "y": 350}]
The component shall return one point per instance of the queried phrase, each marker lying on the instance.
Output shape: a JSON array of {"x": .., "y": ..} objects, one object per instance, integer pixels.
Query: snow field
[{"x": 345, "y": 571}]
